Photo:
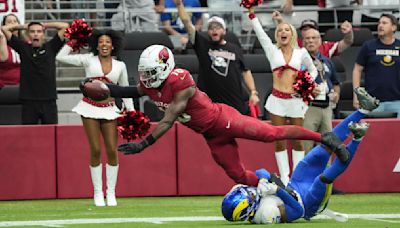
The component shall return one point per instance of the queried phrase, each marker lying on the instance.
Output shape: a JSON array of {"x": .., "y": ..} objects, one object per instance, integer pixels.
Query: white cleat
[
  {"x": 111, "y": 200},
  {"x": 99, "y": 199}
]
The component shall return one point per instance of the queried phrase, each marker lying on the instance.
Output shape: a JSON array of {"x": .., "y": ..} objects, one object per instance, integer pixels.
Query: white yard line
[{"x": 160, "y": 220}]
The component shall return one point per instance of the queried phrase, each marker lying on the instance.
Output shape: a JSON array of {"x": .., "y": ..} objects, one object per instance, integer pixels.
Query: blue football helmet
[{"x": 240, "y": 203}]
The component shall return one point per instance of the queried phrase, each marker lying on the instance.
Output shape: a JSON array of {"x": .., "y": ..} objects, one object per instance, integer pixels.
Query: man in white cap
[{"x": 223, "y": 69}]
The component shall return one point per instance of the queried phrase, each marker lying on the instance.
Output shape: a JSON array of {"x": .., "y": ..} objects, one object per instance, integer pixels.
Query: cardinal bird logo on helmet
[{"x": 163, "y": 55}]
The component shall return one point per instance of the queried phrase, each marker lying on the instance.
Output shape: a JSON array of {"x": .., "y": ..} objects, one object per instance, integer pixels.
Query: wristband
[
  {"x": 150, "y": 140},
  {"x": 252, "y": 16}
]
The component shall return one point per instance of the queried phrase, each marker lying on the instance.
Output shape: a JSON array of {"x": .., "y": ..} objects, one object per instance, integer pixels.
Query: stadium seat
[
  {"x": 346, "y": 99},
  {"x": 262, "y": 75},
  {"x": 349, "y": 56},
  {"x": 188, "y": 62},
  {"x": 10, "y": 105},
  {"x": 257, "y": 49},
  {"x": 360, "y": 35},
  {"x": 371, "y": 115},
  {"x": 340, "y": 70},
  {"x": 135, "y": 43}
]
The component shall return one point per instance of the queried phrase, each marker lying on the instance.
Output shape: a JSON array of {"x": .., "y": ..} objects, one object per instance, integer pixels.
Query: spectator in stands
[
  {"x": 138, "y": 15},
  {"x": 328, "y": 16},
  {"x": 379, "y": 59},
  {"x": 223, "y": 67},
  {"x": 9, "y": 58},
  {"x": 286, "y": 59},
  {"x": 80, "y": 6},
  {"x": 173, "y": 24},
  {"x": 99, "y": 117},
  {"x": 108, "y": 14},
  {"x": 38, "y": 91},
  {"x": 328, "y": 48},
  {"x": 370, "y": 17},
  {"x": 319, "y": 113},
  {"x": 233, "y": 19}
]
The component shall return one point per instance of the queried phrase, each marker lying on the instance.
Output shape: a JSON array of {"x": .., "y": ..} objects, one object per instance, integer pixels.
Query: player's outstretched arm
[
  {"x": 97, "y": 90},
  {"x": 174, "y": 110}
]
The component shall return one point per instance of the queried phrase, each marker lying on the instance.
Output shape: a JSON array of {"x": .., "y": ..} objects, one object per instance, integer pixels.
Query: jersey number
[{"x": 6, "y": 7}]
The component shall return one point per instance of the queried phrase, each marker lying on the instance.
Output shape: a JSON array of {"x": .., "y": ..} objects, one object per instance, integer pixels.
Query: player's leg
[
  {"x": 254, "y": 129},
  {"x": 92, "y": 130},
  {"x": 317, "y": 197},
  {"x": 337, "y": 167},
  {"x": 367, "y": 104},
  {"x": 110, "y": 136},
  {"x": 225, "y": 153}
]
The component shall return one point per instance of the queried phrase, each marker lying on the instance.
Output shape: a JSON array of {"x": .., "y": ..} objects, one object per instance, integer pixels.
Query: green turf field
[{"x": 383, "y": 210}]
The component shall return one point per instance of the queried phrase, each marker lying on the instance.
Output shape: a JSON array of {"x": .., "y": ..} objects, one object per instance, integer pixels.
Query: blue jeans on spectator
[{"x": 389, "y": 106}]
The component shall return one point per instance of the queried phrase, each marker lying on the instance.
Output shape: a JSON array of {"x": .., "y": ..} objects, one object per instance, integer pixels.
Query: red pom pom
[
  {"x": 250, "y": 3},
  {"x": 304, "y": 85},
  {"x": 78, "y": 34},
  {"x": 133, "y": 125}
]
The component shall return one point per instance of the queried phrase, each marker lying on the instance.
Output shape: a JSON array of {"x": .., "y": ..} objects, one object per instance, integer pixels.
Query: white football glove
[{"x": 265, "y": 188}]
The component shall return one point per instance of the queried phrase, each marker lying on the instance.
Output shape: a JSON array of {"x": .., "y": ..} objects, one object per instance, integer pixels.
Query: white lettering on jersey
[
  {"x": 183, "y": 118},
  {"x": 15, "y": 57},
  {"x": 268, "y": 211},
  {"x": 387, "y": 52}
]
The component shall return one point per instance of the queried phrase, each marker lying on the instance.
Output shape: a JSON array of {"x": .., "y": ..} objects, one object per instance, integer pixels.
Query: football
[{"x": 96, "y": 90}]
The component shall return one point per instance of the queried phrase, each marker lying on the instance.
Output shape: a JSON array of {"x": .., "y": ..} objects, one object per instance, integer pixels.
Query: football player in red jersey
[{"x": 174, "y": 91}]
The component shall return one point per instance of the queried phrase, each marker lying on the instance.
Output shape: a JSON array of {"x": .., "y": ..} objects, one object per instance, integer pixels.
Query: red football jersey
[
  {"x": 9, "y": 70},
  {"x": 200, "y": 113}
]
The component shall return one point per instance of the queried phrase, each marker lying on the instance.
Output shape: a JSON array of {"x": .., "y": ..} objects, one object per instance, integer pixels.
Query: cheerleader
[
  {"x": 99, "y": 117},
  {"x": 284, "y": 104}
]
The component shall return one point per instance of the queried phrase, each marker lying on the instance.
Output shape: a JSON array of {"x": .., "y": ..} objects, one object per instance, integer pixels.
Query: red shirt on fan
[
  {"x": 9, "y": 70},
  {"x": 327, "y": 48},
  {"x": 200, "y": 113}
]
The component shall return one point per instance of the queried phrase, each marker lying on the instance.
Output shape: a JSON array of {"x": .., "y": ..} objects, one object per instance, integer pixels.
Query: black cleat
[
  {"x": 358, "y": 129},
  {"x": 366, "y": 101},
  {"x": 332, "y": 142}
]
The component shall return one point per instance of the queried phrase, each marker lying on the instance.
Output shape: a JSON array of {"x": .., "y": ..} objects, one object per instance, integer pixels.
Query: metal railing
[{"x": 94, "y": 13}]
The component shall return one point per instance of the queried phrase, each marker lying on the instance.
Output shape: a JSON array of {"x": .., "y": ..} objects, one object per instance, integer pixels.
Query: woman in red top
[{"x": 9, "y": 59}]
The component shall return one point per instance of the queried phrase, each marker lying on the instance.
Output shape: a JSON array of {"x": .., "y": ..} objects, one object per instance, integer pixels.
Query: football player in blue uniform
[{"x": 310, "y": 186}]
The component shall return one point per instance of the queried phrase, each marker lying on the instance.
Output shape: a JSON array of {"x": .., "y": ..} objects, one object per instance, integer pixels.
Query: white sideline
[{"x": 160, "y": 220}]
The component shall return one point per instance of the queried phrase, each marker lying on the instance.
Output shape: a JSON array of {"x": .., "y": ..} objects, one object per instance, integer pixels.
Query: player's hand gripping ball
[{"x": 95, "y": 90}]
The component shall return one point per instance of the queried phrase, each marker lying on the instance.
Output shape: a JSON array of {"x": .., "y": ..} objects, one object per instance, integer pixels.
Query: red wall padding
[
  {"x": 153, "y": 172},
  {"x": 199, "y": 174},
  {"x": 27, "y": 164},
  {"x": 53, "y": 161},
  {"x": 372, "y": 167}
]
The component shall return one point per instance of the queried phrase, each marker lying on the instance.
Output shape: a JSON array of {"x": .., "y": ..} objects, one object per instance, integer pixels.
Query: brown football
[{"x": 96, "y": 90}]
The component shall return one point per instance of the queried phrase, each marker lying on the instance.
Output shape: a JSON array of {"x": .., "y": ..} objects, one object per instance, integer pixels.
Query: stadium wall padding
[
  {"x": 44, "y": 162},
  {"x": 28, "y": 162},
  {"x": 151, "y": 173},
  {"x": 374, "y": 163}
]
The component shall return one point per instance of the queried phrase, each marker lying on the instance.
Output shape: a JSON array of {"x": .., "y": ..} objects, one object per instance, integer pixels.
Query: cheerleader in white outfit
[
  {"x": 99, "y": 117},
  {"x": 286, "y": 59}
]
